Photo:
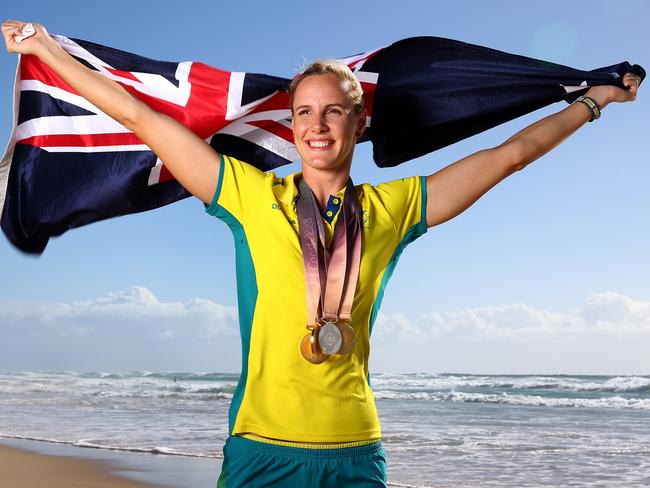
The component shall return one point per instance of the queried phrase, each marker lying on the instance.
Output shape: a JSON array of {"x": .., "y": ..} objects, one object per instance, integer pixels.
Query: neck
[{"x": 323, "y": 184}]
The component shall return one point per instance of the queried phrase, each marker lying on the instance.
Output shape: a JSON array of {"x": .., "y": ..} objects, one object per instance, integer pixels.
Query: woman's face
[{"x": 325, "y": 127}]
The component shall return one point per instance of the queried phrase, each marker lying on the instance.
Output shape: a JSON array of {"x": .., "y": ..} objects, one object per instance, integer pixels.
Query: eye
[
  {"x": 334, "y": 112},
  {"x": 303, "y": 113}
]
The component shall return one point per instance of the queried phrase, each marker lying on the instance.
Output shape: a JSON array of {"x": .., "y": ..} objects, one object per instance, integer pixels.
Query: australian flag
[{"x": 69, "y": 164}]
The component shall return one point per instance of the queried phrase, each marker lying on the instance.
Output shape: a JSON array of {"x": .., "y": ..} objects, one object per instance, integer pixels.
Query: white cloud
[
  {"x": 615, "y": 314},
  {"x": 134, "y": 330},
  {"x": 602, "y": 314},
  {"x": 395, "y": 326},
  {"x": 607, "y": 334},
  {"x": 129, "y": 329},
  {"x": 166, "y": 334},
  {"x": 137, "y": 306}
]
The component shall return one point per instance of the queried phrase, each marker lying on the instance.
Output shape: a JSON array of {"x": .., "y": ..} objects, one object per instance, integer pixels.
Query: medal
[
  {"x": 349, "y": 338},
  {"x": 310, "y": 349},
  {"x": 330, "y": 339},
  {"x": 331, "y": 275}
]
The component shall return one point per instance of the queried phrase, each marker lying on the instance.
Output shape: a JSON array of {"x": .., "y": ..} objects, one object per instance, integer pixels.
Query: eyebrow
[{"x": 329, "y": 105}]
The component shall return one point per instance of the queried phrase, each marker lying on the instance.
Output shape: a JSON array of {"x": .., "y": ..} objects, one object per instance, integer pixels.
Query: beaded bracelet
[{"x": 591, "y": 104}]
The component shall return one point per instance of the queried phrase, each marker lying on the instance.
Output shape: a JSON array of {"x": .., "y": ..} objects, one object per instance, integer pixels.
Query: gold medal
[
  {"x": 349, "y": 338},
  {"x": 310, "y": 349}
]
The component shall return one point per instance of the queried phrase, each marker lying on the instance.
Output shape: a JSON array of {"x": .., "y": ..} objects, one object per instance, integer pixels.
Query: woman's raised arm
[
  {"x": 192, "y": 161},
  {"x": 456, "y": 187}
]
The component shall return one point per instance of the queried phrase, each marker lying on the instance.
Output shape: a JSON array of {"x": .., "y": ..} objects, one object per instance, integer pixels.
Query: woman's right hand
[
  {"x": 32, "y": 45},
  {"x": 192, "y": 162}
]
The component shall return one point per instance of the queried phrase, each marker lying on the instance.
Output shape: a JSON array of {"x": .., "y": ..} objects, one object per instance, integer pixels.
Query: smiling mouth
[{"x": 319, "y": 144}]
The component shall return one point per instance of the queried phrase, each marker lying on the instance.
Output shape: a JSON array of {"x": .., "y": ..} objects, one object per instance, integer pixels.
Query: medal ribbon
[{"x": 331, "y": 275}]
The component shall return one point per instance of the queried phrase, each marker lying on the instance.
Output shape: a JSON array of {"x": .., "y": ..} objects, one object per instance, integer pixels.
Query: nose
[{"x": 318, "y": 123}]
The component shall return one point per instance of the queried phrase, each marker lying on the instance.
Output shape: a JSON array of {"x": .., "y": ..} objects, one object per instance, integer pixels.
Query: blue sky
[{"x": 546, "y": 273}]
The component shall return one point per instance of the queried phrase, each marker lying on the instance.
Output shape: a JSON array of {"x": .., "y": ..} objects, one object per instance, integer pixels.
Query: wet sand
[
  {"x": 25, "y": 469},
  {"x": 27, "y": 463}
]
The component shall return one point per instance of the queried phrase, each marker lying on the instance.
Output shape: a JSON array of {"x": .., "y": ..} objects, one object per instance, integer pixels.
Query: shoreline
[
  {"x": 27, "y": 469},
  {"x": 32, "y": 464}
]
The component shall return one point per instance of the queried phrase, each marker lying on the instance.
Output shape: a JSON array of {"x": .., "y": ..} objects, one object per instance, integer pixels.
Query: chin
[{"x": 324, "y": 165}]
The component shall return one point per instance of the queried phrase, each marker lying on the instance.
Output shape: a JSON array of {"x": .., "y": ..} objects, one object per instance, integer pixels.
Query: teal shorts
[{"x": 251, "y": 464}]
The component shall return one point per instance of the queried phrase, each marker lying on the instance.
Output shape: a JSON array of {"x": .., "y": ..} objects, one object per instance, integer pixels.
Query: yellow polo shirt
[{"x": 280, "y": 395}]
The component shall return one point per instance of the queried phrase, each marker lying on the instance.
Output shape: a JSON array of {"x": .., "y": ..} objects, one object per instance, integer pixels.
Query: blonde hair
[{"x": 349, "y": 82}]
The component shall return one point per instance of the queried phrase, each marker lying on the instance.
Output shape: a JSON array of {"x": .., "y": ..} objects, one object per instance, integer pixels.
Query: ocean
[{"x": 439, "y": 430}]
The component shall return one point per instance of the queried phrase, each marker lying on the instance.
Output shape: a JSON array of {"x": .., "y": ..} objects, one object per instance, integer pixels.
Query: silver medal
[{"x": 330, "y": 338}]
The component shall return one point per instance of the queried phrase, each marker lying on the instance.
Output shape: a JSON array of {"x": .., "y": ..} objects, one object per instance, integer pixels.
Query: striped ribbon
[{"x": 331, "y": 274}]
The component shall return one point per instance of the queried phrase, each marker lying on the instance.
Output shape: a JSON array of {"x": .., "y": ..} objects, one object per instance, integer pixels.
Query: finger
[
  {"x": 631, "y": 79},
  {"x": 12, "y": 24},
  {"x": 13, "y": 33},
  {"x": 11, "y": 30},
  {"x": 631, "y": 94}
]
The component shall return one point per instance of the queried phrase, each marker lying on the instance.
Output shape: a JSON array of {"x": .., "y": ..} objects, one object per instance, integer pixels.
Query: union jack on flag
[{"x": 69, "y": 164}]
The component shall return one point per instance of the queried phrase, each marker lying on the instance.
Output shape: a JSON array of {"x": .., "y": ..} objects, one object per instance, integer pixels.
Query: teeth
[{"x": 319, "y": 143}]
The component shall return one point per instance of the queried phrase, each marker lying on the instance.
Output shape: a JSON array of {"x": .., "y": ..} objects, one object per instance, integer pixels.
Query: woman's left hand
[{"x": 605, "y": 94}]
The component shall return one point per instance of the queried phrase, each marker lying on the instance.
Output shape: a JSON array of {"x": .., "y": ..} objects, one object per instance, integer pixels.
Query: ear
[{"x": 361, "y": 124}]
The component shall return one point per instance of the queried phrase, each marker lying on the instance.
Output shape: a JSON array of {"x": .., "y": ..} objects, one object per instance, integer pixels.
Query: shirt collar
[{"x": 288, "y": 194}]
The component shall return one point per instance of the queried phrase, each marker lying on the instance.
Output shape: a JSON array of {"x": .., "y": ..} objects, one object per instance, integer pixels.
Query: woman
[{"x": 303, "y": 413}]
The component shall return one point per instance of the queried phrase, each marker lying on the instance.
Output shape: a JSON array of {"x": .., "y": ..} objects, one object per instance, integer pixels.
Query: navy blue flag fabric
[{"x": 68, "y": 164}]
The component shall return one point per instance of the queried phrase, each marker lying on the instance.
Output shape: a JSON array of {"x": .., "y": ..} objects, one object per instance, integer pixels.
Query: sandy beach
[
  {"x": 25, "y": 469},
  {"x": 26, "y": 464}
]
